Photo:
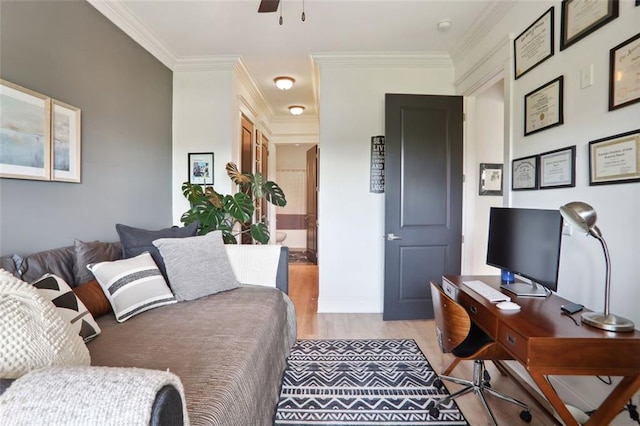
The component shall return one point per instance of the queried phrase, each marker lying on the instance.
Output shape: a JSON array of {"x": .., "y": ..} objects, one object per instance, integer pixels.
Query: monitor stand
[{"x": 524, "y": 289}]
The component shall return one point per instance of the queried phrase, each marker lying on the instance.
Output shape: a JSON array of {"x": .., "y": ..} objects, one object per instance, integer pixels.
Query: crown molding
[
  {"x": 485, "y": 23},
  {"x": 492, "y": 56},
  {"x": 248, "y": 81},
  {"x": 121, "y": 16},
  {"x": 383, "y": 60},
  {"x": 207, "y": 63}
]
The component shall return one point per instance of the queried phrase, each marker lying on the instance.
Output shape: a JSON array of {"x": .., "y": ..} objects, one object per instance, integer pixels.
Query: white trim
[
  {"x": 488, "y": 58},
  {"x": 382, "y": 60},
  {"x": 206, "y": 63},
  {"x": 242, "y": 73}
]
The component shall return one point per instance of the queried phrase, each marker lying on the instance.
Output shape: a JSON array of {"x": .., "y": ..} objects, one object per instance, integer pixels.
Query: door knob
[{"x": 392, "y": 236}]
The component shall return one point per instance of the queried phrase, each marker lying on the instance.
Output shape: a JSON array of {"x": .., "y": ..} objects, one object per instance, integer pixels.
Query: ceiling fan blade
[{"x": 268, "y": 6}]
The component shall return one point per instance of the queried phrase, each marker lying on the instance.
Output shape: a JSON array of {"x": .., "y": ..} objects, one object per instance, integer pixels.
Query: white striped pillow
[{"x": 132, "y": 285}]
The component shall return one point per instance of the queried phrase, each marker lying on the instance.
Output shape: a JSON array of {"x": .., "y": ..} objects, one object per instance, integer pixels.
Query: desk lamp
[{"x": 583, "y": 217}]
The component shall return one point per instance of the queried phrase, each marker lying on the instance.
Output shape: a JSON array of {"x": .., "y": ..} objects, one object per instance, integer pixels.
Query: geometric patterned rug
[{"x": 361, "y": 382}]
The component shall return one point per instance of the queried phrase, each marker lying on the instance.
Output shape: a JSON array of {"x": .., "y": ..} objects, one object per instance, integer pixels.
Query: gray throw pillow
[
  {"x": 92, "y": 252},
  {"x": 136, "y": 241},
  {"x": 197, "y": 266}
]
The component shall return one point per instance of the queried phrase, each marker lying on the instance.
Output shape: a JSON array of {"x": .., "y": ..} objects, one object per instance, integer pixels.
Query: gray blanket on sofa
[{"x": 228, "y": 349}]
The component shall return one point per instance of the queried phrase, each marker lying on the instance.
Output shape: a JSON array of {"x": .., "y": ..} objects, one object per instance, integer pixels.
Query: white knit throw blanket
[
  {"x": 85, "y": 396},
  {"x": 254, "y": 264}
]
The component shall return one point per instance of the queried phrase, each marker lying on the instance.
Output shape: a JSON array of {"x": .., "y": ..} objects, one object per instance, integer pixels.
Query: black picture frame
[
  {"x": 200, "y": 168},
  {"x": 568, "y": 40},
  {"x": 553, "y": 109},
  {"x": 615, "y": 159},
  {"x": 530, "y": 32},
  {"x": 490, "y": 179},
  {"x": 524, "y": 173},
  {"x": 557, "y": 168},
  {"x": 633, "y": 55}
]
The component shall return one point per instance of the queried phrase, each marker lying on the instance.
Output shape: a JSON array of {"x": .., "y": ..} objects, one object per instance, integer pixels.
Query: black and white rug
[{"x": 360, "y": 382}]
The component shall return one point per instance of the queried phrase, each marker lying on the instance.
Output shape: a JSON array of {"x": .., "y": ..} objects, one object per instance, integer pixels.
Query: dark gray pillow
[
  {"x": 197, "y": 266},
  {"x": 136, "y": 241},
  {"x": 92, "y": 252}
]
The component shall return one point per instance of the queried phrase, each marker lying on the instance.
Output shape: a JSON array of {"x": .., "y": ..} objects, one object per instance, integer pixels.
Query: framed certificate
[
  {"x": 490, "y": 179},
  {"x": 582, "y": 17},
  {"x": 534, "y": 45},
  {"x": 615, "y": 159},
  {"x": 624, "y": 73},
  {"x": 558, "y": 168},
  {"x": 524, "y": 173},
  {"x": 543, "y": 107}
]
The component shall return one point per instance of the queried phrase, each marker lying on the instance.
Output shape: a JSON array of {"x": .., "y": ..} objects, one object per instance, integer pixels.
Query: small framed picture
[
  {"x": 543, "y": 107},
  {"x": 534, "y": 45},
  {"x": 624, "y": 73},
  {"x": 582, "y": 17},
  {"x": 615, "y": 159},
  {"x": 490, "y": 179},
  {"x": 201, "y": 168},
  {"x": 524, "y": 173},
  {"x": 66, "y": 142},
  {"x": 558, "y": 168}
]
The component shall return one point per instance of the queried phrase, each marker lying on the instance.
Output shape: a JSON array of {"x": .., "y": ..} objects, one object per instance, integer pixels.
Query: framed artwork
[
  {"x": 582, "y": 17},
  {"x": 615, "y": 159},
  {"x": 524, "y": 173},
  {"x": 66, "y": 142},
  {"x": 201, "y": 168},
  {"x": 534, "y": 45},
  {"x": 624, "y": 73},
  {"x": 25, "y": 133},
  {"x": 558, "y": 168},
  {"x": 490, "y": 179},
  {"x": 543, "y": 107}
]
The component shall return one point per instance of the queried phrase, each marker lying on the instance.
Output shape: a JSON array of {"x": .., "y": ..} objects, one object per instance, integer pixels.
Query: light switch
[{"x": 586, "y": 77}]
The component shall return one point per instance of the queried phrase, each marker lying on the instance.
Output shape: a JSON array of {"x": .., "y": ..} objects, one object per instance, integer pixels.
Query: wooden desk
[{"x": 546, "y": 342}]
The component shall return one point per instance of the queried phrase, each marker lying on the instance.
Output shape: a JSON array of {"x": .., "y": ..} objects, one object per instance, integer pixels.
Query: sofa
[{"x": 228, "y": 350}]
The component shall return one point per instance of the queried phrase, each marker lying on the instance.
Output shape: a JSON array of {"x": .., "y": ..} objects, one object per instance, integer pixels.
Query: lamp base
[{"x": 607, "y": 322}]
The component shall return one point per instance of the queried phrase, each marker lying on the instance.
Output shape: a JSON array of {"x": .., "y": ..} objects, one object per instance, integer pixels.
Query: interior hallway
[{"x": 303, "y": 290}]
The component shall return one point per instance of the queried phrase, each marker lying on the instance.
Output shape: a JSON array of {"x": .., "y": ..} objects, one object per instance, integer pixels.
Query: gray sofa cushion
[
  {"x": 58, "y": 261},
  {"x": 7, "y": 263},
  {"x": 136, "y": 241},
  {"x": 92, "y": 252}
]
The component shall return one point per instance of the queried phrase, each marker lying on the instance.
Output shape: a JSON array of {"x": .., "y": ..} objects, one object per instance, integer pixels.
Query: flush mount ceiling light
[
  {"x": 296, "y": 109},
  {"x": 444, "y": 25},
  {"x": 284, "y": 83}
]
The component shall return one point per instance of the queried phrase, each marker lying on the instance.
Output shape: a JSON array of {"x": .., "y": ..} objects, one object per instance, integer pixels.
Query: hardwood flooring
[{"x": 303, "y": 290}]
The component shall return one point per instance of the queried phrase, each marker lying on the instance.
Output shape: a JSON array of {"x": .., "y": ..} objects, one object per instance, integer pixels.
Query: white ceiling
[{"x": 178, "y": 31}]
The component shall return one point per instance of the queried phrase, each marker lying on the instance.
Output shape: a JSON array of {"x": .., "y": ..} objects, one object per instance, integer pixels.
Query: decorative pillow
[
  {"x": 55, "y": 289},
  {"x": 197, "y": 266},
  {"x": 132, "y": 285},
  {"x": 93, "y": 297},
  {"x": 32, "y": 333},
  {"x": 136, "y": 241},
  {"x": 92, "y": 252}
]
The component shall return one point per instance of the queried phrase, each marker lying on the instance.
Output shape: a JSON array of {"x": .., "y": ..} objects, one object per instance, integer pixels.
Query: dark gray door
[{"x": 423, "y": 200}]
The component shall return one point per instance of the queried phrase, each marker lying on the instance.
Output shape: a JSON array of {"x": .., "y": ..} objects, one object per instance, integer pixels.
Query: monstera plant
[{"x": 231, "y": 213}]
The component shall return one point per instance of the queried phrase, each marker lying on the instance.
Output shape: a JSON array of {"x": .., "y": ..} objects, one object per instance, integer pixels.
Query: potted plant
[{"x": 230, "y": 213}]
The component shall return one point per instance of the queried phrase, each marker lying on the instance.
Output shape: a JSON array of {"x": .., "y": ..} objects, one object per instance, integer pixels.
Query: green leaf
[
  {"x": 193, "y": 193},
  {"x": 239, "y": 206},
  {"x": 274, "y": 194},
  {"x": 260, "y": 232}
]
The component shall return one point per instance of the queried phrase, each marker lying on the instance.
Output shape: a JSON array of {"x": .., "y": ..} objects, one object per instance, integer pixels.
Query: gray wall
[{"x": 69, "y": 51}]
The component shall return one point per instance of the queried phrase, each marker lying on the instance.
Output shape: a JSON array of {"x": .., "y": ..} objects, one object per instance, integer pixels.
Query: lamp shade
[{"x": 579, "y": 215}]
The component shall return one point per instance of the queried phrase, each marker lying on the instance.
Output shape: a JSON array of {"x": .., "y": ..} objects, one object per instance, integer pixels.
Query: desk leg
[
  {"x": 610, "y": 407},
  {"x": 553, "y": 398}
]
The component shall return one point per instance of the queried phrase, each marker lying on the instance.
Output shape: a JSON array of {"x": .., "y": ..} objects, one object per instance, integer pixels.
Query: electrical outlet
[{"x": 586, "y": 77}]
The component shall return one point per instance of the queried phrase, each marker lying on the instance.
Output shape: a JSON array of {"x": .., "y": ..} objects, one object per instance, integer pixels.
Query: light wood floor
[{"x": 303, "y": 289}]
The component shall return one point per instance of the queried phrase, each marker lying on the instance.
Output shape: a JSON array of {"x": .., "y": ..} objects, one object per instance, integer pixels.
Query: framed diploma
[
  {"x": 582, "y": 17},
  {"x": 534, "y": 45},
  {"x": 615, "y": 159},
  {"x": 524, "y": 173},
  {"x": 558, "y": 168},
  {"x": 543, "y": 107},
  {"x": 624, "y": 73},
  {"x": 490, "y": 179}
]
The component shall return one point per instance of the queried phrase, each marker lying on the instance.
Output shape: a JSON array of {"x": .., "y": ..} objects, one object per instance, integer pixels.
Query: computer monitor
[{"x": 526, "y": 242}]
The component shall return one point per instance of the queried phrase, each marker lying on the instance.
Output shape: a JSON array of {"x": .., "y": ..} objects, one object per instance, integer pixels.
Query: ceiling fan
[{"x": 267, "y": 6}]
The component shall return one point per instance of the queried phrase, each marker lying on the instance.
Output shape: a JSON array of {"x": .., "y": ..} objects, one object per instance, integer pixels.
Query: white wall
[
  {"x": 585, "y": 118},
  {"x": 351, "y": 220}
]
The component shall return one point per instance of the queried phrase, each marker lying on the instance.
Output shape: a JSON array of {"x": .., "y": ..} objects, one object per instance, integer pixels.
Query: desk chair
[{"x": 466, "y": 341}]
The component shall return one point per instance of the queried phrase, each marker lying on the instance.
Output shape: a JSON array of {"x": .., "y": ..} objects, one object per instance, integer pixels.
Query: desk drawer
[
  {"x": 513, "y": 341},
  {"x": 479, "y": 314}
]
